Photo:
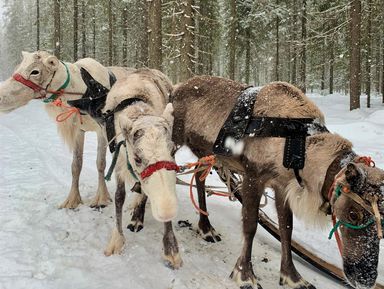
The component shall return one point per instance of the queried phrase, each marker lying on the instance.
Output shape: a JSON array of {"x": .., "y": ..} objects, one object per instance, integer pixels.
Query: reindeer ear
[
  {"x": 168, "y": 114},
  {"x": 24, "y": 54},
  {"x": 126, "y": 125},
  {"x": 51, "y": 62},
  {"x": 353, "y": 175}
]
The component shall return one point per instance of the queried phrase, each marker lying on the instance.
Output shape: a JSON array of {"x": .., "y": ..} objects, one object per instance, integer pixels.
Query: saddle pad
[{"x": 237, "y": 122}]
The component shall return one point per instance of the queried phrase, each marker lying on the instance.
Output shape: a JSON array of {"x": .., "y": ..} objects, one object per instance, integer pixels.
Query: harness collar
[{"x": 43, "y": 91}]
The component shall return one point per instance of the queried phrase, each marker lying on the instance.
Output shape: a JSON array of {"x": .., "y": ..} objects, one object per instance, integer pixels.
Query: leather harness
[{"x": 241, "y": 123}]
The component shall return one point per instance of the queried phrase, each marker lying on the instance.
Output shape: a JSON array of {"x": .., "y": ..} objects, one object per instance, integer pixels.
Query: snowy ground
[{"x": 43, "y": 247}]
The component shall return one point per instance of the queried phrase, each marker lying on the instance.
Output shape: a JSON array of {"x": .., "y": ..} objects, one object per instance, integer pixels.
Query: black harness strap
[
  {"x": 109, "y": 118},
  {"x": 237, "y": 121},
  {"x": 240, "y": 123}
]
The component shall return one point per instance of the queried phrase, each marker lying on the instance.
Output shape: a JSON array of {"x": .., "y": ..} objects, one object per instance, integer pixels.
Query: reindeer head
[
  {"x": 37, "y": 70},
  {"x": 358, "y": 204},
  {"x": 148, "y": 141}
]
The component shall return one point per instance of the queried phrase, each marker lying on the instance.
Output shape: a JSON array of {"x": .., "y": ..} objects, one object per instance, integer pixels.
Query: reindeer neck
[{"x": 75, "y": 84}]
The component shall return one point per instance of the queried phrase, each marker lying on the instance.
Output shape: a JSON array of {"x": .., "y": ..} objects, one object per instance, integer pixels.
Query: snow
[{"x": 44, "y": 248}]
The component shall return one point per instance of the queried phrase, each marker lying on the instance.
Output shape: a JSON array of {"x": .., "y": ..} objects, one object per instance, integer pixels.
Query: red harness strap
[
  {"x": 169, "y": 166},
  {"x": 19, "y": 78}
]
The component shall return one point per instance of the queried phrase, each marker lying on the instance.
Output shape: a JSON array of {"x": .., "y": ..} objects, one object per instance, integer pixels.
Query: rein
[{"x": 337, "y": 191}]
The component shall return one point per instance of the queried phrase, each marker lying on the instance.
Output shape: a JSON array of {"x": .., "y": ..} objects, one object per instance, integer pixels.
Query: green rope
[
  {"x": 351, "y": 226},
  {"x": 338, "y": 191},
  {"x": 130, "y": 169},
  {"x": 53, "y": 97},
  {"x": 114, "y": 160}
]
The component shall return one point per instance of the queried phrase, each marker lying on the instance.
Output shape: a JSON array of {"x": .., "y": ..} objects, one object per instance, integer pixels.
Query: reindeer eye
[
  {"x": 35, "y": 72},
  {"x": 138, "y": 134},
  {"x": 138, "y": 160},
  {"x": 353, "y": 216}
]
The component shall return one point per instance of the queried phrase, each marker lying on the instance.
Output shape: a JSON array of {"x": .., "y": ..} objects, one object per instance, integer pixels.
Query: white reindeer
[
  {"x": 143, "y": 127},
  {"x": 39, "y": 76}
]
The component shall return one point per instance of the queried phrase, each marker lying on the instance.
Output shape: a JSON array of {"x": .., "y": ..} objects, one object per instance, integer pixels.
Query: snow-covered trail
[{"x": 45, "y": 248}]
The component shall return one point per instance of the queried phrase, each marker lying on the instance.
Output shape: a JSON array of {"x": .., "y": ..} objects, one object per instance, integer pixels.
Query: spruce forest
[{"x": 326, "y": 45}]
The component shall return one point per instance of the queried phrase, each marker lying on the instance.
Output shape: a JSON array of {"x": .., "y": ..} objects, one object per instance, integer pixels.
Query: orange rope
[
  {"x": 209, "y": 162},
  {"x": 69, "y": 111}
]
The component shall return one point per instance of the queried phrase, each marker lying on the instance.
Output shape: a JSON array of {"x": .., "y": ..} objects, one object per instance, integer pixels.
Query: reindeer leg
[
  {"x": 117, "y": 240},
  {"x": 288, "y": 273},
  {"x": 74, "y": 199},
  {"x": 171, "y": 249},
  {"x": 102, "y": 197},
  {"x": 243, "y": 274},
  {"x": 137, "y": 220},
  {"x": 205, "y": 228}
]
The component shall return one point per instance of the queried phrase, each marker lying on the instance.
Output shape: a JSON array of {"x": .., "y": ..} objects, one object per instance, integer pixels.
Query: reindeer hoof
[
  {"x": 301, "y": 284},
  {"x": 245, "y": 280},
  {"x": 210, "y": 236},
  {"x": 116, "y": 243},
  {"x": 173, "y": 261},
  {"x": 100, "y": 201},
  {"x": 135, "y": 226},
  {"x": 71, "y": 202}
]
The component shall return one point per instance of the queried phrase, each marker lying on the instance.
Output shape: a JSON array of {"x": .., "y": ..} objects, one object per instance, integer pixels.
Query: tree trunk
[
  {"x": 154, "y": 34},
  {"x": 382, "y": 48},
  {"x": 277, "y": 64},
  {"x": 331, "y": 65},
  {"x": 294, "y": 44},
  {"x": 125, "y": 35},
  {"x": 142, "y": 48},
  {"x": 75, "y": 28},
  {"x": 37, "y": 24},
  {"x": 83, "y": 31},
  {"x": 355, "y": 61},
  {"x": 110, "y": 34},
  {"x": 232, "y": 40},
  {"x": 187, "y": 49},
  {"x": 94, "y": 31},
  {"x": 303, "y": 52},
  {"x": 368, "y": 59},
  {"x": 248, "y": 55},
  {"x": 56, "y": 28}
]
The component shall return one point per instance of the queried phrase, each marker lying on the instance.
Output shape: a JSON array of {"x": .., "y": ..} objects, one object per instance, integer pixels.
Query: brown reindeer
[{"x": 201, "y": 106}]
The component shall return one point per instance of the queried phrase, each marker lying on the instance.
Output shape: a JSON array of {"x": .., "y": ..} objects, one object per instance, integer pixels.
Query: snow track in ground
[{"x": 42, "y": 247}]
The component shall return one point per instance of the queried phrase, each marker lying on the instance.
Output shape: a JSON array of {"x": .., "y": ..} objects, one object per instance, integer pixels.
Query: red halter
[
  {"x": 36, "y": 88},
  {"x": 169, "y": 166}
]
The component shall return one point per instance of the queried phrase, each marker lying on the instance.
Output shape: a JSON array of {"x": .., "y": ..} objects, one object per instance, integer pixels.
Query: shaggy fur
[{"x": 146, "y": 127}]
